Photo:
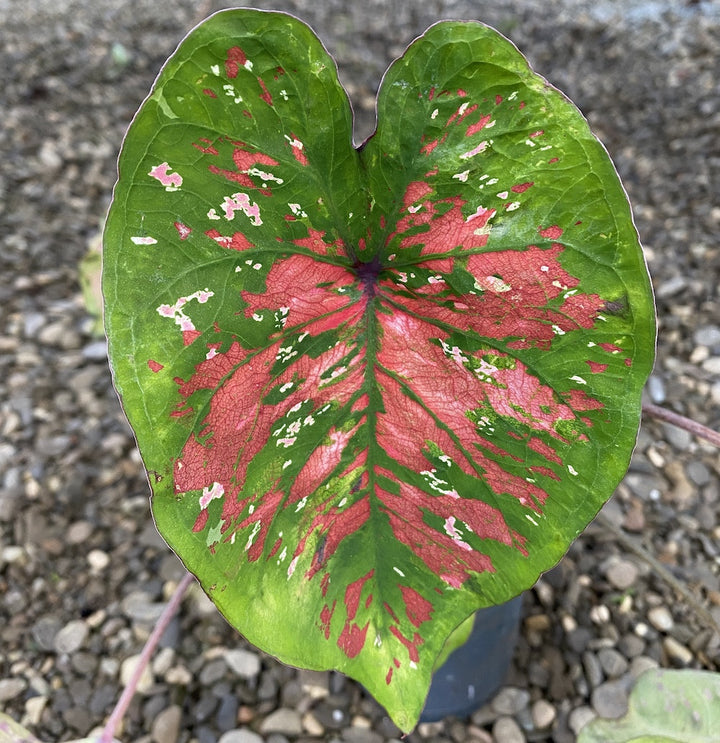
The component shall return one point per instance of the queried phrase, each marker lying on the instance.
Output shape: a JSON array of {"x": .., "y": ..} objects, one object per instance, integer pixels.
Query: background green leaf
[{"x": 665, "y": 706}]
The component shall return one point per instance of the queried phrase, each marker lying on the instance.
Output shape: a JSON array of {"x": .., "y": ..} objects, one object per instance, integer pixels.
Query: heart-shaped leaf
[{"x": 376, "y": 388}]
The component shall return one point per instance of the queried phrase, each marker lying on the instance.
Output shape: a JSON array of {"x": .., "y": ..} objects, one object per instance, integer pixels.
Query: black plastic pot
[{"x": 476, "y": 670}]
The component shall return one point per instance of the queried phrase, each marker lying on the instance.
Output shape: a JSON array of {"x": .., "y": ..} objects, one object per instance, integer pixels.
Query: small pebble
[
  {"x": 610, "y": 699},
  {"x": 127, "y": 668},
  {"x": 166, "y": 726},
  {"x": 661, "y": 618},
  {"x": 677, "y": 652},
  {"x": 283, "y": 720},
  {"x": 312, "y": 725},
  {"x": 642, "y": 663},
  {"x": 71, "y": 637},
  {"x": 360, "y": 735},
  {"x": 599, "y": 614},
  {"x": 543, "y": 714},
  {"x": 612, "y": 662},
  {"x": 593, "y": 669},
  {"x": 579, "y": 717},
  {"x": 622, "y": 574},
  {"x": 507, "y": 730},
  {"x": 510, "y": 700},
  {"x": 241, "y": 735},
  {"x": 244, "y": 663},
  {"x": 11, "y": 688}
]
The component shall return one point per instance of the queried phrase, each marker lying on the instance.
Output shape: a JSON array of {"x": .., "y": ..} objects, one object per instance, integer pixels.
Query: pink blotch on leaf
[
  {"x": 522, "y": 187},
  {"x": 596, "y": 368},
  {"x": 265, "y": 95},
  {"x": 551, "y": 233},
  {"x": 183, "y": 230},
  {"x": 154, "y": 366},
  {"x": 235, "y": 59}
]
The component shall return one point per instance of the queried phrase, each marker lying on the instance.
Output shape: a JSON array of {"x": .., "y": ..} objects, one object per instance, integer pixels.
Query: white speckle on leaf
[
  {"x": 216, "y": 490},
  {"x": 577, "y": 379},
  {"x": 434, "y": 114},
  {"x": 512, "y": 206},
  {"x": 287, "y": 441},
  {"x": 287, "y": 463},
  {"x": 176, "y": 312},
  {"x": 476, "y": 150},
  {"x": 287, "y": 386},
  {"x": 232, "y": 93},
  {"x": 212, "y": 214},
  {"x": 530, "y": 143},
  {"x": 215, "y": 69},
  {"x": 502, "y": 195},
  {"x": 146, "y": 240},
  {"x": 265, "y": 176},
  {"x": 297, "y": 210},
  {"x": 283, "y": 94},
  {"x": 292, "y": 566},
  {"x": 436, "y": 280},
  {"x": 398, "y": 571},
  {"x": 558, "y": 330},
  {"x": 572, "y": 470},
  {"x": 253, "y": 534},
  {"x": 378, "y": 641},
  {"x": 497, "y": 284},
  {"x": 301, "y": 504},
  {"x": 531, "y": 519},
  {"x": 462, "y": 176},
  {"x": 545, "y": 269},
  {"x": 257, "y": 317}
]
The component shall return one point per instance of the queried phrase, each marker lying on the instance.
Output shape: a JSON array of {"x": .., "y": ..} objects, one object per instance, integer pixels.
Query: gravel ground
[{"x": 83, "y": 573}]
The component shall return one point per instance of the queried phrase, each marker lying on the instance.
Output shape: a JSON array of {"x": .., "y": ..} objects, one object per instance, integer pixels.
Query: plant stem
[
  {"x": 681, "y": 421},
  {"x": 108, "y": 734}
]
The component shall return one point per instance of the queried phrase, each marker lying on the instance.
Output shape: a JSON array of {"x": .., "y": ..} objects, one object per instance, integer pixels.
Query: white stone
[
  {"x": 244, "y": 663},
  {"x": 71, "y": 637},
  {"x": 128, "y": 668},
  {"x": 661, "y": 618}
]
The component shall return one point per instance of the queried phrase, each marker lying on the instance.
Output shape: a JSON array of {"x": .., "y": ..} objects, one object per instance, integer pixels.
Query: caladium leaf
[{"x": 378, "y": 388}]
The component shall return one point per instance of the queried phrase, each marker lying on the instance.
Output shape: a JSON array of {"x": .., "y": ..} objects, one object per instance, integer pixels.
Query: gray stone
[
  {"x": 166, "y": 726},
  {"x": 227, "y": 714},
  {"x": 612, "y": 662},
  {"x": 593, "y": 669},
  {"x": 11, "y": 688},
  {"x": 360, "y": 735},
  {"x": 610, "y": 699},
  {"x": 507, "y": 730},
  {"x": 631, "y": 645},
  {"x": 707, "y": 335},
  {"x": 240, "y": 735},
  {"x": 283, "y": 720},
  {"x": 510, "y": 700},
  {"x": 622, "y": 574},
  {"x": 71, "y": 637},
  {"x": 212, "y": 672},
  {"x": 698, "y": 473},
  {"x": 243, "y": 663},
  {"x": 44, "y": 632},
  {"x": 580, "y": 717},
  {"x": 140, "y": 607}
]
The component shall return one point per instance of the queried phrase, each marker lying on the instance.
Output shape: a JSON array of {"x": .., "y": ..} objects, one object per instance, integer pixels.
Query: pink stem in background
[
  {"x": 681, "y": 421},
  {"x": 113, "y": 723}
]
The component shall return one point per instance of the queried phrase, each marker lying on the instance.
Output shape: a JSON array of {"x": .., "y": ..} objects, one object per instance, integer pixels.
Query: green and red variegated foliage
[{"x": 374, "y": 388}]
